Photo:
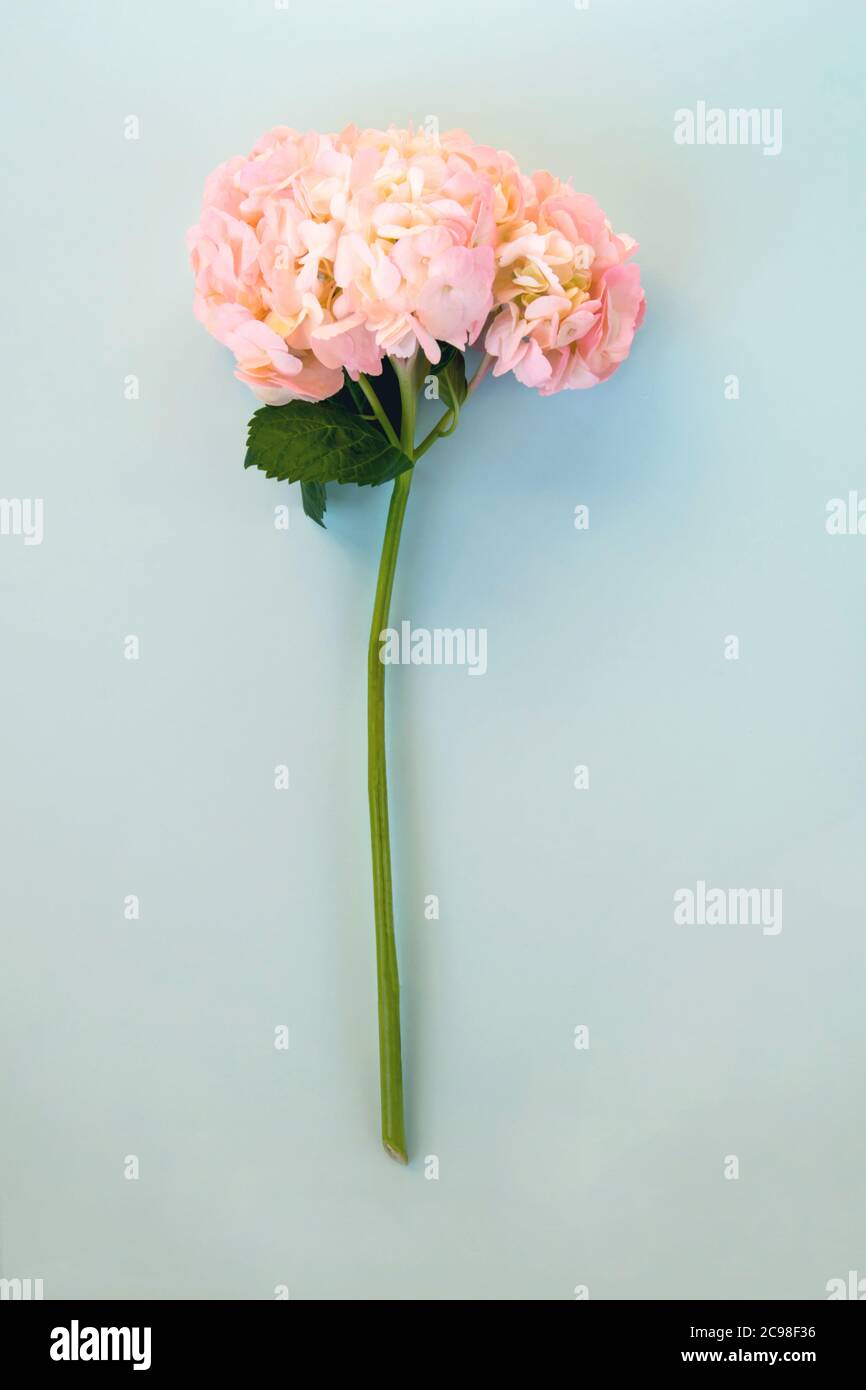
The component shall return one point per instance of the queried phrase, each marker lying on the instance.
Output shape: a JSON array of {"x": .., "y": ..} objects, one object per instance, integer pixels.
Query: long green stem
[{"x": 387, "y": 977}]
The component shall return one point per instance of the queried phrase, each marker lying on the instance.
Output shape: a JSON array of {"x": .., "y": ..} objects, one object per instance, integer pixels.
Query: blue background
[{"x": 557, "y": 1167}]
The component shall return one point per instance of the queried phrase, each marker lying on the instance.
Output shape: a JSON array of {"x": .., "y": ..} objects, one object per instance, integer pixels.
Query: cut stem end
[{"x": 398, "y": 1155}]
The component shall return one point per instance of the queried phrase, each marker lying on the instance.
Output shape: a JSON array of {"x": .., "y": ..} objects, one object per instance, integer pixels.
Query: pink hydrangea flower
[
  {"x": 323, "y": 252},
  {"x": 569, "y": 303},
  {"x": 319, "y": 253}
]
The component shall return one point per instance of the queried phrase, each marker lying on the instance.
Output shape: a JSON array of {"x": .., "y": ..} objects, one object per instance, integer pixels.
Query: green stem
[
  {"x": 378, "y": 409},
  {"x": 387, "y": 978},
  {"x": 447, "y": 423},
  {"x": 443, "y": 427},
  {"x": 480, "y": 373}
]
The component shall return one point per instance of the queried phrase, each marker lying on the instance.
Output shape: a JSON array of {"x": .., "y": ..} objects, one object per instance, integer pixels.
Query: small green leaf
[
  {"x": 451, "y": 371},
  {"x": 351, "y": 396},
  {"x": 446, "y": 352},
  {"x": 314, "y": 501},
  {"x": 305, "y": 442},
  {"x": 387, "y": 388}
]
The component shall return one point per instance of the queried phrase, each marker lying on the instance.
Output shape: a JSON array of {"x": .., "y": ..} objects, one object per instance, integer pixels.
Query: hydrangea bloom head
[
  {"x": 570, "y": 301},
  {"x": 319, "y": 253}
]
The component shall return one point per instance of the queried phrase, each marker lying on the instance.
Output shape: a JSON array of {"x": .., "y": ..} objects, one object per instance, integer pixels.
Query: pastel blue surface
[{"x": 558, "y": 1167}]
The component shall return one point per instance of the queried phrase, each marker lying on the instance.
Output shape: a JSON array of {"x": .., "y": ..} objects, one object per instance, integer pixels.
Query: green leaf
[
  {"x": 387, "y": 388},
  {"x": 306, "y": 442},
  {"x": 451, "y": 371},
  {"x": 352, "y": 397},
  {"x": 446, "y": 352},
  {"x": 314, "y": 501}
]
